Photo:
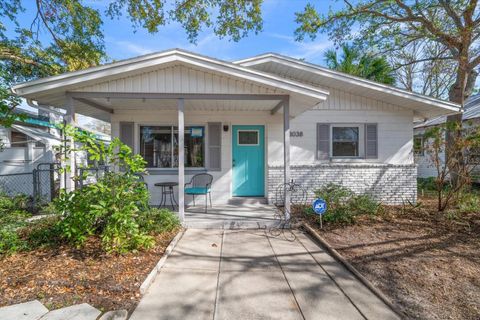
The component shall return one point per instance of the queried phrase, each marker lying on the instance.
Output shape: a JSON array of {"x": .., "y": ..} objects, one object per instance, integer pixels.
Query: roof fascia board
[{"x": 347, "y": 78}]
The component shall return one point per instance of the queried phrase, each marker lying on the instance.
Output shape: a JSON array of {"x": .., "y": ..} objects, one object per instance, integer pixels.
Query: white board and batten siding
[{"x": 179, "y": 79}]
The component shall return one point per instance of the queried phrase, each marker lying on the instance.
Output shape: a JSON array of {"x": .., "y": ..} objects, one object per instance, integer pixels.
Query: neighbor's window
[
  {"x": 159, "y": 146},
  {"x": 345, "y": 141},
  {"x": 418, "y": 145},
  {"x": 19, "y": 139}
]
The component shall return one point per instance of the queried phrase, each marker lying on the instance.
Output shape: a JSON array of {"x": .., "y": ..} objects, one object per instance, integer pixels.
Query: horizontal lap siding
[{"x": 395, "y": 127}]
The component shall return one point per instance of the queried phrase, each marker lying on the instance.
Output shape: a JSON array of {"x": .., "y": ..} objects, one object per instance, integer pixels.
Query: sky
[{"x": 122, "y": 41}]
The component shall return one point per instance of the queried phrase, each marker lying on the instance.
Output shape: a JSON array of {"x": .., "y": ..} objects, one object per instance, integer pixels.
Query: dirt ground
[
  {"x": 427, "y": 264},
  {"x": 64, "y": 276}
]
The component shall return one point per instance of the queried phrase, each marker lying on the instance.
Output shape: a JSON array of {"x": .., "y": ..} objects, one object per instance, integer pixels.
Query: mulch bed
[
  {"x": 428, "y": 265},
  {"x": 64, "y": 276}
]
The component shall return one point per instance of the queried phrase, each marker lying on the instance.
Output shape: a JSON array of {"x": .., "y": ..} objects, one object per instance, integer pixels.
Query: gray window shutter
[
  {"x": 214, "y": 146},
  {"x": 323, "y": 141},
  {"x": 371, "y": 141},
  {"x": 127, "y": 133}
]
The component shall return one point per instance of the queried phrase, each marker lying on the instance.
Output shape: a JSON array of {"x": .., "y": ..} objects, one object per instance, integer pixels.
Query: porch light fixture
[{"x": 225, "y": 127}]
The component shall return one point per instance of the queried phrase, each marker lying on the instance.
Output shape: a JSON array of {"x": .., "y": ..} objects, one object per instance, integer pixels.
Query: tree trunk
[{"x": 458, "y": 93}]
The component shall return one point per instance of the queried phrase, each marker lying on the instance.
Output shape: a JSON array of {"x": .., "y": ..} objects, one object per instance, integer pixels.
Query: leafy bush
[
  {"x": 109, "y": 208},
  {"x": 12, "y": 217},
  {"x": 469, "y": 203},
  {"x": 116, "y": 207},
  {"x": 343, "y": 205},
  {"x": 364, "y": 204},
  {"x": 427, "y": 184},
  {"x": 42, "y": 232},
  {"x": 155, "y": 221}
]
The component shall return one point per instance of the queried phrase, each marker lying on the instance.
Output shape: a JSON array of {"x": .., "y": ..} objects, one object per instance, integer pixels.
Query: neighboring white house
[
  {"x": 29, "y": 142},
  {"x": 470, "y": 117},
  {"x": 240, "y": 117}
]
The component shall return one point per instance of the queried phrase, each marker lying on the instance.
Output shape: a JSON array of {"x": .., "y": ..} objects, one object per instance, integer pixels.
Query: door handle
[{"x": 233, "y": 163}]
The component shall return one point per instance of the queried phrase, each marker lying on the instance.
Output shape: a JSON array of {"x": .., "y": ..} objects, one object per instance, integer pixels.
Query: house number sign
[{"x": 296, "y": 134}]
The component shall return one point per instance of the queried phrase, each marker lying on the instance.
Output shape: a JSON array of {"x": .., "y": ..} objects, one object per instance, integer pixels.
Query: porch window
[
  {"x": 159, "y": 146},
  {"x": 345, "y": 141}
]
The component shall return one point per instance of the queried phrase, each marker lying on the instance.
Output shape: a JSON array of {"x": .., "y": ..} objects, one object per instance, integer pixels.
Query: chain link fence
[{"x": 42, "y": 185}]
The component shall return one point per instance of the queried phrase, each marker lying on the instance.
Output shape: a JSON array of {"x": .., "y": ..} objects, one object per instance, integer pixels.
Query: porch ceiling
[{"x": 101, "y": 105}]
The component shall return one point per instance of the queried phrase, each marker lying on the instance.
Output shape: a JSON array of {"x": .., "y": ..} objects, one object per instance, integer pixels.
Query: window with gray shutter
[
  {"x": 214, "y": 146},
  {"x": 323, "y": 141},
  {"x": 127, "y": 133},
  {"x": 371, "y": 141}
]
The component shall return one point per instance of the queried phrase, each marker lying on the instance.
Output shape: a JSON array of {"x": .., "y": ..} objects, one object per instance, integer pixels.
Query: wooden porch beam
[
  {"x": 277, "y": 107},
  {"x": 94, "y": 105},
  {"x": 175, "y": 96}
]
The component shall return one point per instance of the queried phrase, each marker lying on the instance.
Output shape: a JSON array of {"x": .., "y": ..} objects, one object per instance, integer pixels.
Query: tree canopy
[
  {"x": 365, "y": 65},
  {"x": 390, "y": 26}
]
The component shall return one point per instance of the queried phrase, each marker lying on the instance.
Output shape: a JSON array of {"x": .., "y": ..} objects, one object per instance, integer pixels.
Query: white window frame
[
  {"x": 247, "y": 144},
  {"x": 205, "y": 144},
  {"x": 361, "y": 139}
]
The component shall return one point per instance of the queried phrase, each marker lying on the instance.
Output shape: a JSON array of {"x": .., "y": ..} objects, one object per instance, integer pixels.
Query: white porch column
[
  {"x": 181, "y": 159},
  {"x": 286, "y": 155},
  {"x": 70, "y": 120}
]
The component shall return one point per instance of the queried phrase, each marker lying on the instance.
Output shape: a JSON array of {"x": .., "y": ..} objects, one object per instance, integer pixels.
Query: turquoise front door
[{"x": 248, "y": 165}]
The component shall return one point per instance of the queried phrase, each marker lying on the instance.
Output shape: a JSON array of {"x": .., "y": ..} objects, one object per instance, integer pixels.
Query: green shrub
[
  {"x": 335, "y": 195},
  {"x": 364, "y": 204},
  {"x": 427, "y": 184},
  {"x": 343, "y": 205},
  {"x": 10, "y": 241},
  {"x": 156, "y": 221},
  {"x": 13, "y": 216},
  {"x": 108, "y": 208},
  {"x": 469, "y": 203},
  {"x": 43, "y": 232}
]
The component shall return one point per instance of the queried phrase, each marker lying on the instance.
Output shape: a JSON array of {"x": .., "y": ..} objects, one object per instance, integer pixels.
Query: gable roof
[
  {"x": 168, "y": 56},
  {"x": 299, "y": 70}
]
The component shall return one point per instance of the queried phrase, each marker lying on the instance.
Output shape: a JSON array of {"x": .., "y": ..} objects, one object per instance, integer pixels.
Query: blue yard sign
[{"x": 319, "y": 206}]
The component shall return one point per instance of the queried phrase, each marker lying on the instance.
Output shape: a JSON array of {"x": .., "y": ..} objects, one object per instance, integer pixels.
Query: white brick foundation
[{"x": 388, "y": 183}]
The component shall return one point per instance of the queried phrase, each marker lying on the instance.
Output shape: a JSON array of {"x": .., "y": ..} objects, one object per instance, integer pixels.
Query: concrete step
[
  {"x": 32, "y": 310},
  {"x": 233, "y": 224},
  {"x": 247, "y": 200}
]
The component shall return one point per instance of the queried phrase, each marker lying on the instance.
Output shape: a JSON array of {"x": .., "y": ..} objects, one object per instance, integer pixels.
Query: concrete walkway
[{"x": 230, "y": 274}]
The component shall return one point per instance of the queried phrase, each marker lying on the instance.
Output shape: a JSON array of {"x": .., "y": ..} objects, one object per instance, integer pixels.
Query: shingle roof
[{"x": 471, "y": 111}]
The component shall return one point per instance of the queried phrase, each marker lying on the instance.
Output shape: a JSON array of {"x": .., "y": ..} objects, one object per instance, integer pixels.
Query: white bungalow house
[{"x": 252, "y": 124}]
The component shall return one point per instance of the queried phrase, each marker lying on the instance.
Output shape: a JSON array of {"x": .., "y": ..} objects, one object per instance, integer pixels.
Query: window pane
[
  {"x": 345, "y": 141},
  {"x": 418, "y": 145},
  {"x": 19, "y": 139},
  {"x": 194, "y": 147},
  {"x": 156, "y": 146},
  {"x": 248, "y": 137}
]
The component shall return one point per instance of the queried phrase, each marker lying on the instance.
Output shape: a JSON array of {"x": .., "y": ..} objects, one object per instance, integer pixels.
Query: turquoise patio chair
[{"x": 200, "y": 184}]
